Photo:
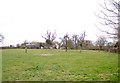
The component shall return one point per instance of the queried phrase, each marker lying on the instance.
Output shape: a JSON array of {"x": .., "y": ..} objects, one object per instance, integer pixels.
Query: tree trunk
[
  {"x": 66, "y": 46},
  {"x": 119, "y": 46},
  {"x": 80, "y": 49},
  {"x": 76, "y": 46},
  {"x": 26, "y": 49}
]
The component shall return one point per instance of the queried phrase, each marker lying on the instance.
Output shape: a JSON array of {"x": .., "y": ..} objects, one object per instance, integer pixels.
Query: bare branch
[{"x": 110, "y": 10}]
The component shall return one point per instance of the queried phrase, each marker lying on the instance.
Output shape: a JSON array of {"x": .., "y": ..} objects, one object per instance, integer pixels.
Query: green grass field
[{"x": 52, "y": 65}]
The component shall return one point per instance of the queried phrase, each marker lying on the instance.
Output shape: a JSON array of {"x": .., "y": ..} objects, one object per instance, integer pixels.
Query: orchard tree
[
  {"x": 66, "y": 38},
  {"x": 50, "y": 37},
  {"x": 75, "y": 40},
  {"x": 64, "y": 41},
  {"x": 81, "y": 40}
]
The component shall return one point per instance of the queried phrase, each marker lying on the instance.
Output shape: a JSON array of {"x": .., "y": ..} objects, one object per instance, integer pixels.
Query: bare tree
[
  {"x": 64, "y": 41},
  {"x": 49, "y": 37},
  {"x": 75, "y": 40},
  {"x": 81, "y": 40},
  {"x": 110, "y": 14},
  {"x": 66, "y": 38}
]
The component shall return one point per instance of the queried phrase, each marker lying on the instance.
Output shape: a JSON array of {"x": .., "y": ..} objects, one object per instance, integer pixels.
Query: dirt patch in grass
[{"x": 44, "y": 54}]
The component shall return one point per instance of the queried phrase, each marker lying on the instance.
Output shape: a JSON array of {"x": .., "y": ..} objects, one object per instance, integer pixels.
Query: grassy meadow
[{"x": 58, "y": 65}]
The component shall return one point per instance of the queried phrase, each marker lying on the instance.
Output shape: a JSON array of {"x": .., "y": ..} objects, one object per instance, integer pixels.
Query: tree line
[{"x": 67, "y": 42}]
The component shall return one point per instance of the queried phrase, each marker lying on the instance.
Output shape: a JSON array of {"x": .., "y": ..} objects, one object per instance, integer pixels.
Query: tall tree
[
  {"x": 64, "y": 41},
  {"x": 75, "y": 40},
  {"x": 81, "y": 40},
  {"x": 66, "y": 38},
  {"x": 110, "y": 14},
  {"x": 49, "y": 37}
]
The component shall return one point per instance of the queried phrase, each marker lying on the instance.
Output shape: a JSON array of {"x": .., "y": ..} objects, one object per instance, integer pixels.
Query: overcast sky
[{"x": 29, "y": 19}]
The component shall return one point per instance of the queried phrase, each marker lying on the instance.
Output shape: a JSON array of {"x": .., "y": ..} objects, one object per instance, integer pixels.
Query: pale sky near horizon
[{"x": 29, "y": 19}]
